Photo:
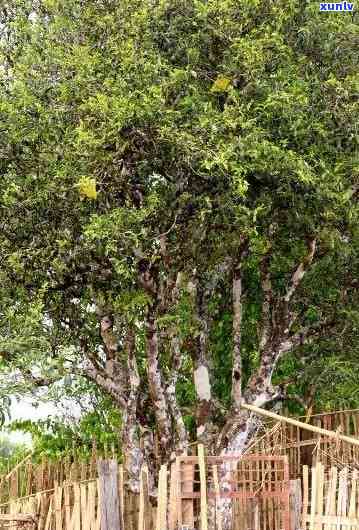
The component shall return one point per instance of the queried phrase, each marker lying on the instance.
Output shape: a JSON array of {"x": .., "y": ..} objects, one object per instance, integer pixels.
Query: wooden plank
[
  {"x": 179, "y": 492},
  {"x": 110, "y": 510},
  {"x": 285, "y": 487},
  {"x": 58, "y": 507},
  {"x": 313, "y": 499},
  {"x": 91, "y": 504},
  {"x": 295, "y": 504},
  {"x": 85, "y": 519},
  {"x": 76, "y": 513},
  {"x": 161, "y": 522},
  {"x": 328, "y": 487},
  {"x": 343, "y": 493},
  {"x": 172, "y": 512},
  {"x": 49, "y": 516},
  {"x": 320, "y": 494},
  {"x": 353, "y": 493},
  {"x": 187, "y": 477},
  {"x": 98, "y": 514},
  {"x": 67, "y": 506},
  {"x": 256, "y": 516},
  {"x": 263, "y": 485},
  {"x": 333, "y": 492},
  {"x": 143, "y": 498},
  {"x": 218, "y": 498},
  {"x": 277, "y": 502},
  {"x": 44, "y": 503},
  {"x": 203, "y": 485}
]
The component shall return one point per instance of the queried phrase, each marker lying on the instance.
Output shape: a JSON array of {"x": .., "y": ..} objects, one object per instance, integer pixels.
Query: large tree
[{"x": 179, "y": 223}]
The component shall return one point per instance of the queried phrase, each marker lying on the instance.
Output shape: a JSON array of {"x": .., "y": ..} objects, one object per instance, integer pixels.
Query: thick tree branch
[
  {"x": 130, "y": 439},
  {"x": 201, "y": 366},
  {"x": 155, "y": 381},
  {"x": 300, "y": 271},
  {"x": 237, "y": 290},
  {"x": 171, "y": 393},
  {"x": 305, "y": 335},
  {"x": 105, "y": 383},
  {"x": 108, "y": 336},
  {"x": 267, "y": 289}
]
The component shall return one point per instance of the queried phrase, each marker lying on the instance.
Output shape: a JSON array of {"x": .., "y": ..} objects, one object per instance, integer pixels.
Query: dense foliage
[{"x": 156, "y": 156}]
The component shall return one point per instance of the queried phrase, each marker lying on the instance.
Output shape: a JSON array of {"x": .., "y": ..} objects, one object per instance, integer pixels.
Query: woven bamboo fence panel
[{"x": 330, "y": 498}]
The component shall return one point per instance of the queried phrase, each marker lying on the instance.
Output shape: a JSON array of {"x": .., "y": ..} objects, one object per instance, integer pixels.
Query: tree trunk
[{"x": 133, "y": 455}]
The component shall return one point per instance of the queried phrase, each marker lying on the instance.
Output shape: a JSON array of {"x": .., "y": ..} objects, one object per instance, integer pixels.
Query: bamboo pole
[
  {"x": 306, "y": 426},
  {"x": 330, "y": 413}
]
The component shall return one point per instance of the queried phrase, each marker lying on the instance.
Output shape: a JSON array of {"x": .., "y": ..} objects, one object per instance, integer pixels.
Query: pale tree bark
[
  {"x": 201, "y": 368},
  {"x": 182, "y": 442},
  {"x": 156, "y": 386},
  {"x": 133, "y": 455},
  {"x": 275, "y": 339},
  {"x": 109, "y": 373},
  {"x": 202, "y": 289},
  {"x": 148, "y": 279},
  {"x": 300, "y": 271}
]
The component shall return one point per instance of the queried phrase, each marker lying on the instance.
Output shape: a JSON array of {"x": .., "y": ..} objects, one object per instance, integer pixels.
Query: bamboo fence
[
  {"x": 256, "y": 489},
  {"x": 304, "y": 446},
  {"x": 330, "y": 498},
  {"x": 86, "y": 493},
  {"x": 103, "y": 503}
]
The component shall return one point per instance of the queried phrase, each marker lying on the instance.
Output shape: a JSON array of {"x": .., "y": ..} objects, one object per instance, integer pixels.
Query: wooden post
[
  {"x": 84, "y": 508},
  {"x": 144, "y": 515},
  {"x": 110, "y": 510},
  {"x": 161, "y": 523},
  {"x": 173, "y": 510},
  {"x": 141, "y": 513},
  {"x": 187, "y": 478},
  {"x": 296, "y": 504},
  {"x": 313, "y": 501},
  {"x": 76, "y": 513},
  {"x": 179, "y": 492},
  {"x": 305, "y": 495},
  {"x": 58, "y": 506},
  {"x": 218, "y": 497},
  {"x": 203, "y": 481}
]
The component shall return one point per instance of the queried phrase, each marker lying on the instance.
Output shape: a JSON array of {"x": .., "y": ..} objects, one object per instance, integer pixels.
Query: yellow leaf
[
  {"x": 87, "y": 187},
  {"x": 221, "y": 84}
]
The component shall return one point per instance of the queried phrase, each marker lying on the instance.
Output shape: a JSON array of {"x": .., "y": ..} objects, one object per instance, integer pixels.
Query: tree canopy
[{"x": 178, "y": 208}]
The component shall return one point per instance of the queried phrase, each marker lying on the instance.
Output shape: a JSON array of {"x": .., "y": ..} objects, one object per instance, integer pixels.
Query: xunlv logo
[{"x": 342, "y": 6}]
